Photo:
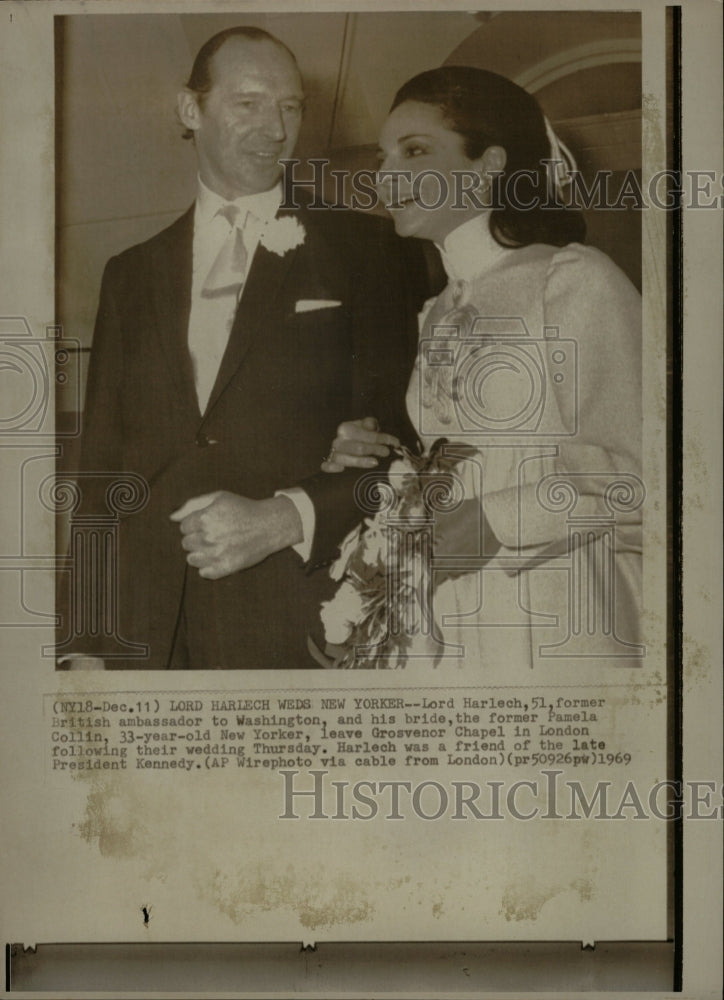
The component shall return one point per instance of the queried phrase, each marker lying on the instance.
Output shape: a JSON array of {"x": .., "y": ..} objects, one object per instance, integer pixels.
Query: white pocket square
[{"x": 309, "y": 305}]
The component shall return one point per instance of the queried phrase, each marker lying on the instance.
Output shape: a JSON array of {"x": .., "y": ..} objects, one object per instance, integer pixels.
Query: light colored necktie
[
  {"x": 227, "y": 272},
  {"x": 217, "y": 305}
]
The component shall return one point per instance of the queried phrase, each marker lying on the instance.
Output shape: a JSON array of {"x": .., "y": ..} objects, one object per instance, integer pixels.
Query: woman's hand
[{"x": 359, "y": 445}]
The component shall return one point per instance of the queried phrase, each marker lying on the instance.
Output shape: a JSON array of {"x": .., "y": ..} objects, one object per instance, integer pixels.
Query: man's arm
[
  {"x": 101, "y": 441},
  {"x": 232, "y": 532},
  {"x": 397, "y": 281},
  {"x": 101, "y": 451}
]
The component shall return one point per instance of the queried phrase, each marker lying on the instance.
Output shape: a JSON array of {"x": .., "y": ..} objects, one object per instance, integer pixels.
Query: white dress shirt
[
  {"x": 210, "y": 318},
  {"x": 210, "y": 232}
]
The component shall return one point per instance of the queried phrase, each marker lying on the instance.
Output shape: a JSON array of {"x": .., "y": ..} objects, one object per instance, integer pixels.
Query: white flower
[
  {"x": 374, "y": 540},
  {"x": 401, "y": 467},
  {"x": 399, "y": 475},
  {"x": 281, "y": 235},
  {"x": 342, "y": 613},
  {"x": 336, "y": 570}
]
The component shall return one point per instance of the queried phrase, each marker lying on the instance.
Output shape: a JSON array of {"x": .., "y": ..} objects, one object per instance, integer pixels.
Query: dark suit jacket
[{"x": 286, "y": 381}]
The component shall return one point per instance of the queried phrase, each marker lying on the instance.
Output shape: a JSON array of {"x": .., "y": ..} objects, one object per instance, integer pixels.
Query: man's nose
[{"x": 273, "y": 124}]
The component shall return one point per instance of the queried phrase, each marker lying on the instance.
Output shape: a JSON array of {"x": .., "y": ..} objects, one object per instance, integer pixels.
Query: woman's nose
[
  {"x": 391, "y": 180},
  {"x": 385, "y": 165},
  {"x": 385, "y": 170}
]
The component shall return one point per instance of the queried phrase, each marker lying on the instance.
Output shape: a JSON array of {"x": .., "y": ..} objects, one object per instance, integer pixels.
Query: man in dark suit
[{"x": 227, "y": 349}]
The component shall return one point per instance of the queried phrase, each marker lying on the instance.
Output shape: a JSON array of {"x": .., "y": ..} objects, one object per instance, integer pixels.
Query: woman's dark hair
[
  {"x": 200, "y": 80},
  {"x": 489, "y": 110}
]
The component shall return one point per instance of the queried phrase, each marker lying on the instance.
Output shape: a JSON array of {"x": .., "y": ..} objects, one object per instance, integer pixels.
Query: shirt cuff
[{"x": 307, "y": 515}]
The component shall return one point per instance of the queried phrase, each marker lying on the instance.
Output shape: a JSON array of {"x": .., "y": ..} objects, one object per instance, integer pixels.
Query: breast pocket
[
  {"x": 321, "y": 329},
  {"x": 319, "y": 350}
]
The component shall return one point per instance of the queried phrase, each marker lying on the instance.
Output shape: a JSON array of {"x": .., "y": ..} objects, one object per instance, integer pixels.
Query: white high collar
[{"x": 470, "y": 249}]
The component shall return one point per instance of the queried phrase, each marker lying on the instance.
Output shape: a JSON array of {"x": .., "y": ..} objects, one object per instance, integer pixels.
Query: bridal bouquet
[{"x": 384, "y": 565}]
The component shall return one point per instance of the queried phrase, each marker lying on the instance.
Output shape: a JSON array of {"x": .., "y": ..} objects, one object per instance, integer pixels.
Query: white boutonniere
[{"x": 282, "y": 235}]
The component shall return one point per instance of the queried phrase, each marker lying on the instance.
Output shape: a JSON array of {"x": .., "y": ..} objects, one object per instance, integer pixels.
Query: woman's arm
[{"x": 594, "y": 305}]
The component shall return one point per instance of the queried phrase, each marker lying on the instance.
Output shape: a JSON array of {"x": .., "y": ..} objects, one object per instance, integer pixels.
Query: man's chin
[{"x": 261, "y": 178}]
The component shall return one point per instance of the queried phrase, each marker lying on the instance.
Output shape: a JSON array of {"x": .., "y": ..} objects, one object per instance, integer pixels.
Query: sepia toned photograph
[
  {"x": 358, "y": 368},
  {"x": 413, "y": 429}
]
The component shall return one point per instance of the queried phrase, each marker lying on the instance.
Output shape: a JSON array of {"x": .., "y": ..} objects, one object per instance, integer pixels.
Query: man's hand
[{"x": 223, "y": 532}]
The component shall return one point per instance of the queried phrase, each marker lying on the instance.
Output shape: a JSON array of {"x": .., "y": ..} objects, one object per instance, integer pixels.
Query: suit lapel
[
  {"x": 262, "y": 305},
  {"x": 172, "y": 270}
]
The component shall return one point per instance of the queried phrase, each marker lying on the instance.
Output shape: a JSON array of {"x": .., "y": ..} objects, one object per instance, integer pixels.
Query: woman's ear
[{"x": 493, "y": 160}]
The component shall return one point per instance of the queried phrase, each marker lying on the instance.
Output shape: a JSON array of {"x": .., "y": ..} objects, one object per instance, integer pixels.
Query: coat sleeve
[
  {"x": 389, "y": 284},
  {"x": 101, "y": 440},
  {"x": 101, "y": 447},
  {"x": 598, "y": 311}
]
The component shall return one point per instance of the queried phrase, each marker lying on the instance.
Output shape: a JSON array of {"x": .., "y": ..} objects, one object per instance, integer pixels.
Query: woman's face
[{"x": 428, "y": 199}]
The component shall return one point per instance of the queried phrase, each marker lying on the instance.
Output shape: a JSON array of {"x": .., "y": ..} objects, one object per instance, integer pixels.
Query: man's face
[{"x": 248, "y": 120}]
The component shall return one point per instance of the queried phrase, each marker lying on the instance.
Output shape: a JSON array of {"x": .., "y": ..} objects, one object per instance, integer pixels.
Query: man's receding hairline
[{"x": 247, "y": 40}]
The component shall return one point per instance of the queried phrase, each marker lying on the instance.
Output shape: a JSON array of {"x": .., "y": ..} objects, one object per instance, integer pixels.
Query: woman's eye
[{"x": 415, "y": 150}]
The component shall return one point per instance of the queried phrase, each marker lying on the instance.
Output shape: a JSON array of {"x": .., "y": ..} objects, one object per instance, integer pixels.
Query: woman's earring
[{"x": 485, "y": 185}]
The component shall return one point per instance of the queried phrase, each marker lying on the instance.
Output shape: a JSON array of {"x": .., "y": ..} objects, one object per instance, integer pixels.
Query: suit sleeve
[
  {"x": 389, "y": 285},
  {"x": 101, "y": 450},
  {"x": 101, "y": 441}
]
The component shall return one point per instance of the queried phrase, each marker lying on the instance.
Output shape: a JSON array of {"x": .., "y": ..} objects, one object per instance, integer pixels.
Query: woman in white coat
[{"x": 532, "y": 355}]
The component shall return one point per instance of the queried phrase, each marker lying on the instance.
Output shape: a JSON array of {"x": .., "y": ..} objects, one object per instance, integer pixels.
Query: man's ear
[{"x": 189, "y": 112}]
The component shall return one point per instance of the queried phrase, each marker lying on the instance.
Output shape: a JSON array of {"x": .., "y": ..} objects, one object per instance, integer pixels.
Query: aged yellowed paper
[{"x": 489, "y": 795}]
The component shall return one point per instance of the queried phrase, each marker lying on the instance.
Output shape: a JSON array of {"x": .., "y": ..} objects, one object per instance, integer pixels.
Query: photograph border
[{"x": 695, "y": 642}]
